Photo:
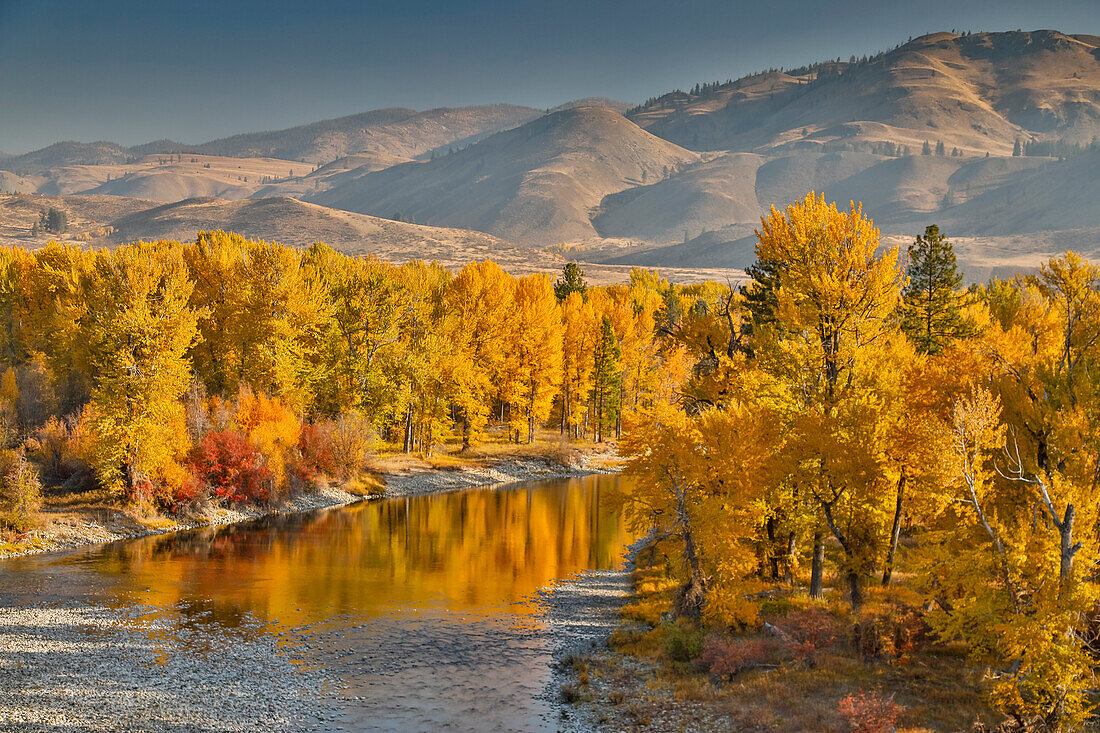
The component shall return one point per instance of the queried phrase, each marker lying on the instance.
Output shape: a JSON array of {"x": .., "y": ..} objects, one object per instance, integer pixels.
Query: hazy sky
[{"x": 194, "y": 70}]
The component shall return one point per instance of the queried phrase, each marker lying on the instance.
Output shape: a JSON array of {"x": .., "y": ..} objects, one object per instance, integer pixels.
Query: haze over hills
[
  {"x": 684, "y": 178},
  {"x": 534, "y": 185}
]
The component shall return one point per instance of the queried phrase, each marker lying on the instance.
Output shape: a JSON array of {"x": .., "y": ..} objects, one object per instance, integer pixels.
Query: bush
[
  {"x": 810, "y": 629},
  {"x": 726, "y": 657},
  {"x": 891, "y": 635},
  {"x": 315, "y": 452},
  {"x": 683, "y": 643},
  {"x": 62, "y": 449},
  {"x": 273, "y": 428},
  {"x": 351, "y": 438},
  {"x": 20, "y": 491},
  {"x": 870, "y": 712},
  {"x": 230, "y": 467}
]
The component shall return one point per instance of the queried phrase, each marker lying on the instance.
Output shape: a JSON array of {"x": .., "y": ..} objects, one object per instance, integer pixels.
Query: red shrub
[
  {"x": 315, "y": 452},
  {"x": 231, "y": 467},
  {"x": 726, "y": 657},
  {"x": 810, "y": 629},
  {"x": 869, "y": 712}
]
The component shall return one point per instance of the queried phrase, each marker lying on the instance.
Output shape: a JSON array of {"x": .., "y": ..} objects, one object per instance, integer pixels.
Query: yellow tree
[
  {"x": 481, "y": 298},
  {"x": 139, "y": 327},
  {"x": 532, "y": 373},
  {"x": 578, "y": 343},
  {"x": 265, "y": 316},
  {"x": 835, "y": 300}
]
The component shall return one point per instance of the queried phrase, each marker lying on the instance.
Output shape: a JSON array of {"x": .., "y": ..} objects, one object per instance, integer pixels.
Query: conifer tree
[
  {"x": 933, "y": 308},
  {"x": 571, "y": 280}
]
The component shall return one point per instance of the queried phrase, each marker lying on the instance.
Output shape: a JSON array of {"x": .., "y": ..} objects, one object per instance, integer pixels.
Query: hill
[
  {"x": 534, "y": 185},
  {"x": 65, "y": 153},
  {"x": 980, "y": 92}
]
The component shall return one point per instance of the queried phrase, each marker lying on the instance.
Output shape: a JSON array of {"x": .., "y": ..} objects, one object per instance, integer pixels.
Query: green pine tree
[
  {"x": 571, "y": 280},
  {"x": 607, "y": 382},
  {"x": 933, "y": 308}
]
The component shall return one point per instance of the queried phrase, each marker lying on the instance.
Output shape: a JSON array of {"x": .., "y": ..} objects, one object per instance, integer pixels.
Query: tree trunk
[
  {"x": 855, "y": 590},
  {"x": 1065, "y": 529},
  {"x": 895, "y": 532},
  {"x": 409, "y": 430},
  {"x": 788, "y": 567},
  {"x": 773, "y": 558},
  {"x": 818, "y": 568}
]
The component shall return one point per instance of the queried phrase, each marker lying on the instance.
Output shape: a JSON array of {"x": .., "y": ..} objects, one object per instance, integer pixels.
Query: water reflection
[{"x": 418, "y": 603}]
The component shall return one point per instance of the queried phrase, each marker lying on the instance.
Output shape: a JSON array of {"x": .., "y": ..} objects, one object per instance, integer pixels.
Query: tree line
[
  {"x": 232, "y": 369},
  {"x": 838, "y": 403}
]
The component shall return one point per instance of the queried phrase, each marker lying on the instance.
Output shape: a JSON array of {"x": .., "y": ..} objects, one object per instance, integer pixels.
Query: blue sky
[{"x": 194, "y": 70}]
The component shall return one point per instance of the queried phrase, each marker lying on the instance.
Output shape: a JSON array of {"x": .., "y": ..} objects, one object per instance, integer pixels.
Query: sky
[{"x": 132, "y": 71}]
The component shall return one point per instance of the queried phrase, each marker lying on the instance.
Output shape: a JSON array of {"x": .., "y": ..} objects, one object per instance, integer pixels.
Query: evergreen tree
[
  {"x": 940, "y": 149},
  {"x": 1016, "y": 149},
  {"x": 571, "y": 280},
  {"x": 932, "y": 314},
  {"x": 607, "y": 390},
  {"x": 926, "y": 149}
]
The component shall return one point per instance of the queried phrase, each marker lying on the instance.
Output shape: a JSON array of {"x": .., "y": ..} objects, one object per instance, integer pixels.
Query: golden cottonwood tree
[
  {"x": 139, "y": 325},
  {"x": 579, "y": 335},
  {"x": 532, "y": 371},
  {"x": 835, "y": 300},
  {"x": 482, "y": 298},
  {"x": 265, "y": 316}
]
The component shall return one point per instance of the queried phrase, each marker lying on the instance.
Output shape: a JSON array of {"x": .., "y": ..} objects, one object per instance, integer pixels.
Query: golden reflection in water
[{"x": 475, "y": 552}]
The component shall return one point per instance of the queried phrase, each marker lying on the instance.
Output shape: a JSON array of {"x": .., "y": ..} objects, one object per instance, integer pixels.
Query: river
[{"x": 424, "y": 610}]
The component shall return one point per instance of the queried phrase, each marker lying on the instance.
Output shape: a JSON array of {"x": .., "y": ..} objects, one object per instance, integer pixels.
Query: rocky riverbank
[{"x": 90, "y": 668}]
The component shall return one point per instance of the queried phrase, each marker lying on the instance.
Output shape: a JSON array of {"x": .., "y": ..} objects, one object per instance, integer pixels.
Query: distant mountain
[
  {"x": 620, "y": 107},
  {"x": 980, "y": 92},
  {"x": 685, "y": 177},
  {"x": 397, "y": 132},
  {"x": 402, "y": 133},
  {"x": 536, "y": 185},
  {"x": 110, "y": 220},
  {"x": 65, "y": 153}
]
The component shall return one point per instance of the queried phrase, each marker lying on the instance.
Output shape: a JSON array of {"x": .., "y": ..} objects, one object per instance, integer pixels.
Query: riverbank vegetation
[
  {"x": 160, "y": 376},
  {"x": 877, "y": 475}
]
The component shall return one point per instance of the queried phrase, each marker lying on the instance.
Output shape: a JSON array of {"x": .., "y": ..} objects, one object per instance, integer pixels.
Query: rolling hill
[
  {"x": 684, "y": 178},
  {"x": 980, "y": 92},
  {"x": 534, "y": 185}
]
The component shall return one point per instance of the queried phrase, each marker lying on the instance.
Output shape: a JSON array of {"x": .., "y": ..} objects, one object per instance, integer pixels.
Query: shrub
[
  {"x": 870, "y": 712},
  {"x": 726, "y": 657},
  {"x": 350, "y": 440},
  {"x": 683, "y": 643},
  {"x": 62, "y": 449},
  {"x": 810, "y": 629},
  {"x": 891, "y": 635},
  {"x": 272, "y": 427},
  {"x": 230, "y": 467},
  {"x": 20, "y": 491},
  {"x": 315, "y": 452}
]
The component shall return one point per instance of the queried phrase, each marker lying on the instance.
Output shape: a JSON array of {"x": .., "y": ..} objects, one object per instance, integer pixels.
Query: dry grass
[{"x": 648, "y": 669}]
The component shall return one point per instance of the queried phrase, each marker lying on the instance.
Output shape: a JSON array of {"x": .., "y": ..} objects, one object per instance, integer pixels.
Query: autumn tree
[
  {"x": 481, "y": 297},
  {"x": 835, "y": 298},
  {"x": 139, "y": 326},
  {"x": 579, "y": 333},
  {"x": 532, "y": 371}
]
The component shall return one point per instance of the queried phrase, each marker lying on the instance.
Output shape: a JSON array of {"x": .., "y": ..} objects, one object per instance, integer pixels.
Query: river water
[{"x": 423, "y": 608}]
